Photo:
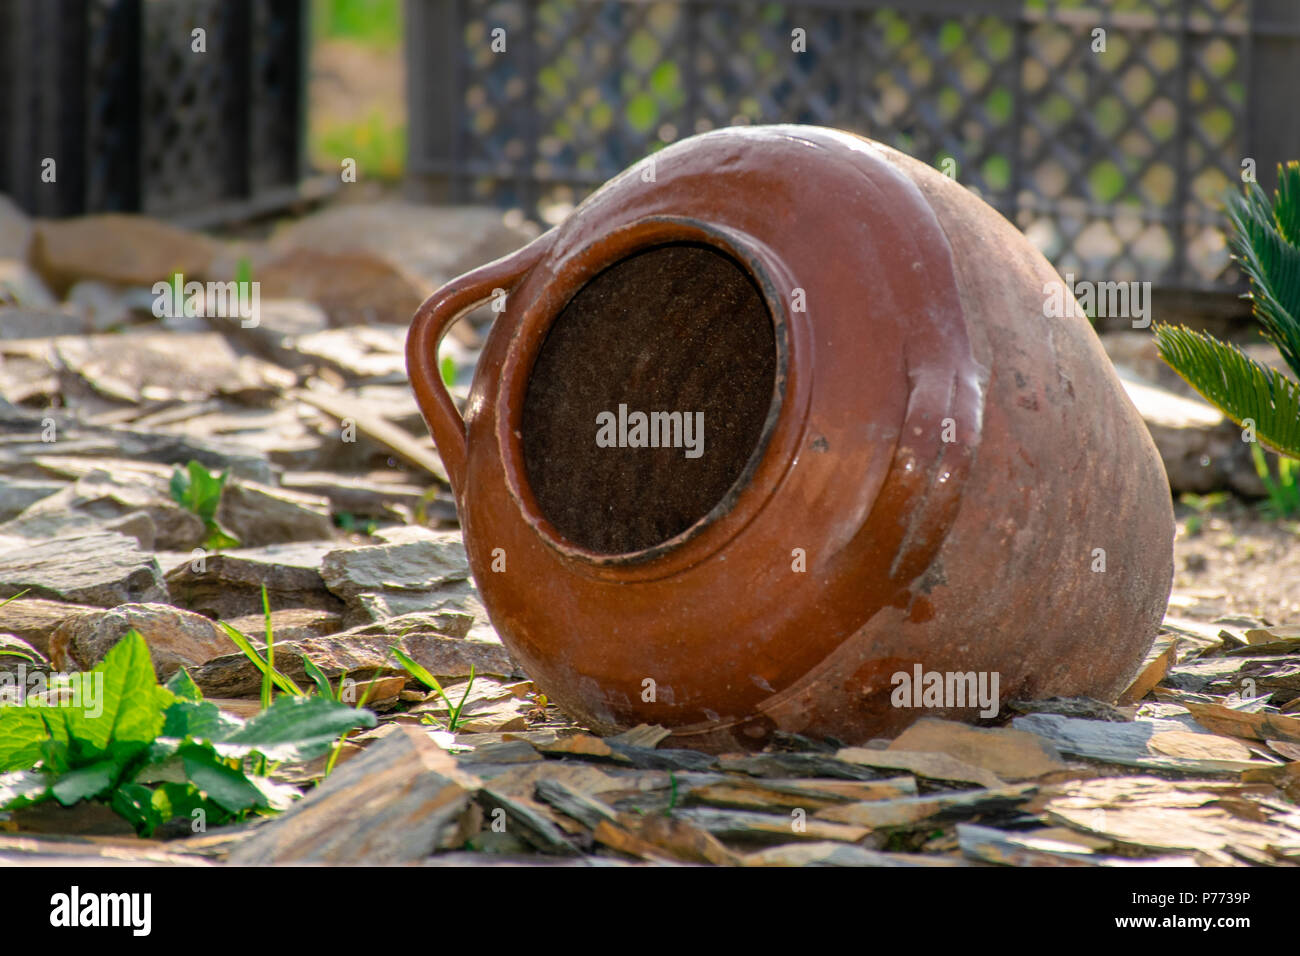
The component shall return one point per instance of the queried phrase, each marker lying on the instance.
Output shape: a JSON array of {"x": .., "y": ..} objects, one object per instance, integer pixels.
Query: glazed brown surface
[{"x": 933, "y": 488}]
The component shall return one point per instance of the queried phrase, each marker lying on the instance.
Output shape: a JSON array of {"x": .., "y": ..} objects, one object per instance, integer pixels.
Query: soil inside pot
[{"x": 675, "y": 329}]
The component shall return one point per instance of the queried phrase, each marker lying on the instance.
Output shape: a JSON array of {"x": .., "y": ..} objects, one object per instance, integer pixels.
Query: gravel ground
[{"x": 1230, "y": 559}]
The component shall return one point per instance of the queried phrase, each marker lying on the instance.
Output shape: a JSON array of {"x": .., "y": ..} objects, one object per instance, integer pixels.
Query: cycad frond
[
  {"x": 1265, "y": 242},
  {"x": 1286, "y": 209},
  {"x": 1238, "y": 385}
]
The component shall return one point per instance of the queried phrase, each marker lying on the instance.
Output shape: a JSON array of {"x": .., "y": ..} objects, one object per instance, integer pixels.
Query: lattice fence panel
[
  {"x": 138, "y": 120},
  {"x": 1115, "y": 162},
  {"x": 187, "y": 149},
  {"x": 276, "y": 111}
]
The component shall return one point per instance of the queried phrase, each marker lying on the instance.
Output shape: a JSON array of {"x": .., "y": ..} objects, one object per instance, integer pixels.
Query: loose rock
[
  {"x": 176, "y": 638},
  {"x": 20, "y": 286},
  {"x": 169, "y": 367},
  {"x": 400, "y": 800},
  {"x": 15, "y": 230},
  {"x": 291, "y": 624},
  {"x": 258, "y": 514},
  {"x": 1128, "y": 744},
  {"x": 434, "y": 244},
  {"x": 103, "y": 569},
  {"x": 233, "y": 675},
  {"x": 1008, "y": 754},
  {"x": 18, "y": 494},
  {"x": 354, "y": 288},
  {"x": 25, "y": 322},
  {"x": 99, "y": 498},
  {"x": 229, "y": 585},
  {"x": 424, "y": 572},
  {"x": 128, "y": 250},
  {"x": 35, "y": 619}
]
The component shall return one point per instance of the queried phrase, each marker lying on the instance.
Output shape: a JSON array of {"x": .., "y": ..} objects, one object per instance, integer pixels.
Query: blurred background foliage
[{"x": 358, "y": 101}]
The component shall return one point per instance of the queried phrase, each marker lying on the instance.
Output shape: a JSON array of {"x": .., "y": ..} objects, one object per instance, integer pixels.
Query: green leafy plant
[
  {"x": 351, "y": 524},
  {"x": 377, "y": 143},
  {"x": 198, "y": 490},
  {"x": 373, "y": 23},
  {"x": 422, "y": 506},
  {"x": 272, "y": 678},
  {"x": 156, "y": 753},
  {"x": 1284, "y": 489},
  {"x": 1201, "y": 505},
  {"x": 455, "y": 712},
  {"x": 1265, "y": 239}
]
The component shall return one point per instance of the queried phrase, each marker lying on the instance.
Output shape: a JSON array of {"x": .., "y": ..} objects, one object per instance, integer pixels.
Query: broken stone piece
[
  {"x": 176, "y": 638},
  {"x": 100, "y": 498},
  {"x": 354, "y": 288},
  {"x": 290, "y": 624},
  {"x": 234, "y": 675},
  {"x": 1008, "y": 754},
  {"x": 35, "y": 619},
  {"x": 398, "y": 802},
  {"x": 18, "y": 494},
  {"x": 118, "y": 248},
  {"x": 102, "y": 569},
  {"x": 229, "y": 585},
  {"x": 259, "y": 514}
]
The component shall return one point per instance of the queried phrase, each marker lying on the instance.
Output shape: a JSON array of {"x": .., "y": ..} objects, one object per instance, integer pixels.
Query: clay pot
[{"x": 906, "y": 465}]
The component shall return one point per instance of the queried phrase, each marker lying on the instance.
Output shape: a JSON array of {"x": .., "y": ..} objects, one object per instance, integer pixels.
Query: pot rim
[{"x": 782, "y": 429}]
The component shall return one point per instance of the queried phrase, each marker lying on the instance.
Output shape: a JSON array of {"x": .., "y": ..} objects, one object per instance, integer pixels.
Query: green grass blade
[
  {"x": 270, "y": 651},
  {"x": 284, "y": 683},
  {"x": 425, "y": 678},
  {"x": 338, "y": 746},
  {"x": 454, "y": 720},
  {"x": 418, "y": 672},
  {"x": 317, "y": 677}
]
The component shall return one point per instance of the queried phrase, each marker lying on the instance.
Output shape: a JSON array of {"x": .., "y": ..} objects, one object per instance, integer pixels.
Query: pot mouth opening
[{"x": 650, "y": 401}]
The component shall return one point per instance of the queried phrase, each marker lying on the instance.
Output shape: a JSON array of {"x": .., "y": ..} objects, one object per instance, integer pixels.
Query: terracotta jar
[{"x": 906, "y": 469}]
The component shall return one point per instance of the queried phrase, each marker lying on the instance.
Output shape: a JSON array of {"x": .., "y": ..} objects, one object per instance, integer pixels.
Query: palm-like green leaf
[
  {"x": 1264, "y": 241},
  {"x": 1287, "y": 207},
  {"x": 1241, "y": 387}
]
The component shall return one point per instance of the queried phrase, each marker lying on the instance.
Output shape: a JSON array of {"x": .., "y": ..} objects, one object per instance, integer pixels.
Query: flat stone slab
[
  {"x": 176, "y": 638},
  {"x": 35, "y": 619},
  {"x": 97, "y": 445},
  {"x": 168, "y": 367},
  {"x": 416, "y": 571},
  {"x": 99, "y": 497},
  {"x": 28, "y": 323},
  {"x": 359, "y": 655},
  {"x": 229, "y": 585},
  {"x": 117, "y": 247},
  {"x": 408, "y": 563},
  {"x": 102, "y": 569},
  {"x": 18, "y": 494},
  {"x": 397, "y": 802},
  {"x": 260, "y": 514}
]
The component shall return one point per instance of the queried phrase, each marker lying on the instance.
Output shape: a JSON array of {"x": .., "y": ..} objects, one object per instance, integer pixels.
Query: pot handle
[{"x": 431, "y": 322}]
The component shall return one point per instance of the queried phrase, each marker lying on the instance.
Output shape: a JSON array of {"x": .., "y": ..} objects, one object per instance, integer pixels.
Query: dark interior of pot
[{"x": 648, "y": 398}]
